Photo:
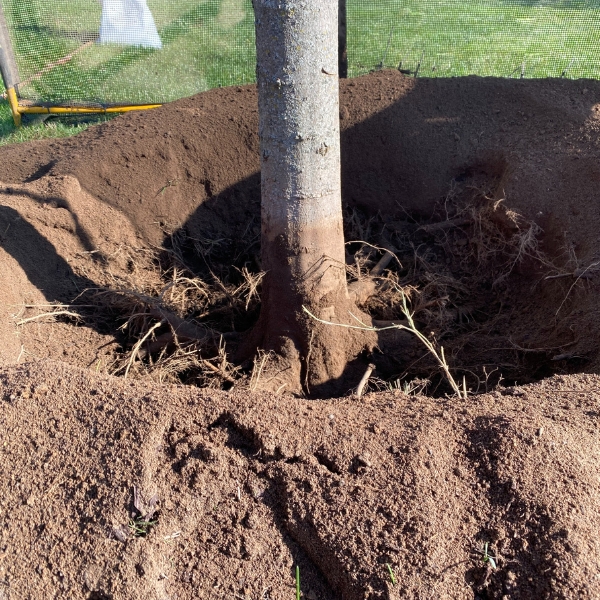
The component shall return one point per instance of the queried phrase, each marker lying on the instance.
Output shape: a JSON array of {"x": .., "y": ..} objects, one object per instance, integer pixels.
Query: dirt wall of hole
[{"x": 411, "y": 147}]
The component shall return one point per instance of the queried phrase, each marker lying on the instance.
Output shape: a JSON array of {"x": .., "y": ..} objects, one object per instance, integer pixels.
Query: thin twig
[
  {"x": 440, "y": 358},
  {"x": 308, "y": 355},
  {"x": 561, "y": 276},
  {"x": 257, "y": 371},
  {"x": 573, "y": 285},
  {"x": 537, "y": 350},
  {"x": 50, "y": 314},
  {"x": 378, "y": 248},
  {"x": 457, "y": 222},
  {"x": 138, "y": 345},
  {"x": 216, "y": 369},
  {"x": 363, "y": 382},
  {"x": 55, "y": 305}
]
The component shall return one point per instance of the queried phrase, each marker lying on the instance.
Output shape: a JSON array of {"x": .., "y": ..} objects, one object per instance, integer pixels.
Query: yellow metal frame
[
  {"x": 13, "y": 102},
  {"x": 17, "y": 109}
]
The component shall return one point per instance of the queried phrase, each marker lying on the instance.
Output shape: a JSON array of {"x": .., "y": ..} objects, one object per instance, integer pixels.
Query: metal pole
[
  {"x": 8, "y": 65},
  {"x": 342, "y": 45},
  {"x": 8, "y": 68}
]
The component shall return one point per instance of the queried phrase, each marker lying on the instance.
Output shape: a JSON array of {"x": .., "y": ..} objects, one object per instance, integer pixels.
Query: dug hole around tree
[{"x": 485, "y": 191}]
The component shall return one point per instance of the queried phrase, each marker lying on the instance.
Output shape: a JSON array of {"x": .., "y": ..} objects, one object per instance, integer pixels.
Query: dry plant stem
[
  {"x": 577, "y": 273},
  {"x": 218, "y": 371},
  {"x": 440, "y": 358},
  {"x": 55, "y": 305},
  {"x": 160, "y": 343},
  {"x": 378, "y": 248},
  {"x": 561, "y": 276},
  {"x": 182, "y": 327},
  {"x": 573, "y": 285},
  {"x": 538, "y": 350},
  {"x": 138, "y": 345},
  {"x": 50, "y": 314},
  {"x": 364, "y": 380},
  {"x": 257, "y": 371}
]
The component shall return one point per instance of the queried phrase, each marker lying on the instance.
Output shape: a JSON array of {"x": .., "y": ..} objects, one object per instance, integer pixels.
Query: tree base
[{"x": 303, "y": 356}]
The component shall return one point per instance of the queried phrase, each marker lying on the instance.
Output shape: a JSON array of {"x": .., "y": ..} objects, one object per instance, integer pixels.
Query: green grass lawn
[
  {"x": 208, "y": 43},
  {"x": 52, "y": 128},
  {"x": 503, "y": 38}
]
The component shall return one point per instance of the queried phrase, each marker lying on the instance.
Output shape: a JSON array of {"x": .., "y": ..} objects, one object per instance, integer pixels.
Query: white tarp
[{"x": 128, "y": 22}]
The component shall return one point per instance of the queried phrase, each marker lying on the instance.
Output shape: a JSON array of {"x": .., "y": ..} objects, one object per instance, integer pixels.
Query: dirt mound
[
  {"x": 57, "y": 242},
  {"x": 244, "y": 488},
  {"x": 123, "y": 245}
]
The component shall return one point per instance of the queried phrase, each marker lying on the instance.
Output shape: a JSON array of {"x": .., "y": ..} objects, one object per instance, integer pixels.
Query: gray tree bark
[
  {"x": 302, "y": 236},
  {"x": 300, "y": 138}
]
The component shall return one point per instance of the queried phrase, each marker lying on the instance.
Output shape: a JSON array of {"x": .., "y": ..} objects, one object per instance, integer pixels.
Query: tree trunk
[{"x": 302, "y": 236}]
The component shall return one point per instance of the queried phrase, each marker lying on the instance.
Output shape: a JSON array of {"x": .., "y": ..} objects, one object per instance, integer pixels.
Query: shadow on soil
[{"x": 402, "y": 168}]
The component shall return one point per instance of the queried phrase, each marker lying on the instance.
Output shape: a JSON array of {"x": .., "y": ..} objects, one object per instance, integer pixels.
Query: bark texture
[{"x": 302, "y": 236}]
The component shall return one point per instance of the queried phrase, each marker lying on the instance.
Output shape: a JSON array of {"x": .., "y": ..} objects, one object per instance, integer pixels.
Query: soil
[{"x": 485, "y": 191}]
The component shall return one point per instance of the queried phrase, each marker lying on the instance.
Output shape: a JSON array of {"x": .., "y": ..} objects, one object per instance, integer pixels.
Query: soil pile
[
  {"x": 244, "y": 488},
  {"x": 484, "y": 191}
]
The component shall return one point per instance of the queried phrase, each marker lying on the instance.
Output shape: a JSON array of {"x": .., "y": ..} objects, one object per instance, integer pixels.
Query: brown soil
[{"x": 485, "y": 190}]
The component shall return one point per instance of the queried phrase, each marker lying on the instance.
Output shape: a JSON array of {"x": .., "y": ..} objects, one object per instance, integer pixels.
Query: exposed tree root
[{"x": 194, "y": 326}]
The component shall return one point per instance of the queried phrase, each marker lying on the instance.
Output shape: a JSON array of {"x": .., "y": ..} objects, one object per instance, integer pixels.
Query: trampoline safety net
[{"x": 154, "y": 51}]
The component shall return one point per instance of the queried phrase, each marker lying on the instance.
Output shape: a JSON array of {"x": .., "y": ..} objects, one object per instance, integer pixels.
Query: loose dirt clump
[{"x": 131, "y": 259}]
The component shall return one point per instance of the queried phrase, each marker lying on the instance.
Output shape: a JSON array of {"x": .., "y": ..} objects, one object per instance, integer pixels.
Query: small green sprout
[
  {"x": 392, "y": 577},
  {"x": 140, "y": 526},
  {"x": 170, "y": 183},
  {"x": 486, "y": 557},
  {"x": 144, "y": 516}
]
